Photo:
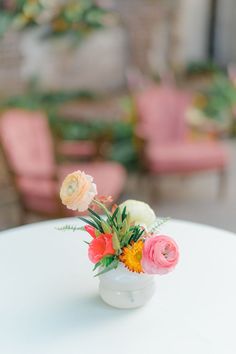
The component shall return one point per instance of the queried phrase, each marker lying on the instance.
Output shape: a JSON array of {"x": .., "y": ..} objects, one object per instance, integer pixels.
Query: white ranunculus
[{"x": 140, "y": 212}]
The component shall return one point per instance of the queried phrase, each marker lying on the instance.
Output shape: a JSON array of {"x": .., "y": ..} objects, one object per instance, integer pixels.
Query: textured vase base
[{"x": 127, "y": 299}]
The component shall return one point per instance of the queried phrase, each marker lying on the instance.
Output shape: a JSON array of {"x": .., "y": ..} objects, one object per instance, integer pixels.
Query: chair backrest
[
  {"x": 27, "y": 143},
  {"x": 161, "y": 111}
]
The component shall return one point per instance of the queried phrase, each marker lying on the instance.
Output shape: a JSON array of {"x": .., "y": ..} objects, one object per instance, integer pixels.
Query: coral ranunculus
[
  {"x": 160, "y": 255},
  {"x": 99, "y": 247},
  {"x": 77, "y": 191}
]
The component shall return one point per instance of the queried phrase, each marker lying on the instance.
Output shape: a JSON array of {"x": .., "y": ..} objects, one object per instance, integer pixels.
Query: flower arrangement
[{"x": 127, "y": 234}]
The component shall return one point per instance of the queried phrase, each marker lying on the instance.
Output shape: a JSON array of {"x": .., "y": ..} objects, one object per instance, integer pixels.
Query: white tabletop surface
[{"x": 49, "y": 300}]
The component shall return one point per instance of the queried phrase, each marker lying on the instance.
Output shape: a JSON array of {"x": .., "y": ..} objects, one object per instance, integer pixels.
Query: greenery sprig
[
  {"x": 69, "y": 228},
  {"x": 117, "y": 224}
]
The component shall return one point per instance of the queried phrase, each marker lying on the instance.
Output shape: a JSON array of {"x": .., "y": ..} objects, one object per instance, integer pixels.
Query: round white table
[{"x": 49, "y": 301}]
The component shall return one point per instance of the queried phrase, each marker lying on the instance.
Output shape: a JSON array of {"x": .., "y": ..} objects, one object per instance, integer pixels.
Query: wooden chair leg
[
  {"x": 153, "y": 189},
  {"x": 222, "y": 183},
  {"x": 23, "y": 216},
  {"x": 148, "y": 187},
  {"x": 136, "y": 183},
  {"x": 140, "y": 184}
]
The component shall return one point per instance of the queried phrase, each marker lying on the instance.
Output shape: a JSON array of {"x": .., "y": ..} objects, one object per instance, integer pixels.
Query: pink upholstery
[
  {"x": 43, "y": 205},
  {"x": 161, "y": 111},
  {"x": 37, "y": 186},
  {"x": 28, "y": 146},
  {"x": 172, "y": 158},
  {"x": 40, "y": 195},
  {"x": 162, "y": 123},
  {"x": 27, "y": 143}
]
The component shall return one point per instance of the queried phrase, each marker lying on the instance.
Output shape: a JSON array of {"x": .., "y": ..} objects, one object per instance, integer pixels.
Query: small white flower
[{"x": 140, "y": 212}]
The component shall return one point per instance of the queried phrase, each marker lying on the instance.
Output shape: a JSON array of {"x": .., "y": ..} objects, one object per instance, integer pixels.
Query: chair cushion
[
  {"x": 108, "y": 176},
  {"x": 37, "y": 186},
  {"x": 186, "y": 157},
  {"x": 42, "y": 195},
  {"x": 45, "y": 206},
  {"x": 39, "y": 195}
]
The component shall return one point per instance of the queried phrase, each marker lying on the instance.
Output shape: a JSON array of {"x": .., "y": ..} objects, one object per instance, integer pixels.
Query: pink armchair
[
  {"x": 162, "y": 124},
  {"x": 29, "y": 151}
]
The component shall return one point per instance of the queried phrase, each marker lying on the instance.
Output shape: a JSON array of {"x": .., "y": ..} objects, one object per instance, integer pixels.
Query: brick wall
[
  {"x": 151, "y": 27},
  {"x": 152, "y": 46},
  {"x": 10, "y": 63}
]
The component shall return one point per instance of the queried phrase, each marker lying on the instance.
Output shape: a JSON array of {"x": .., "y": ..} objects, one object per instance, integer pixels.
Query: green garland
[
  {"x": 119, "y": 135},
  {"x": 73, "y": 17}
]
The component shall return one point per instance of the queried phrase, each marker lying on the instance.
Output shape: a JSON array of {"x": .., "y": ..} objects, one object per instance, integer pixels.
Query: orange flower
[
  {"x": 78, "y": 191},
  {"x": 132, "y": 255}
]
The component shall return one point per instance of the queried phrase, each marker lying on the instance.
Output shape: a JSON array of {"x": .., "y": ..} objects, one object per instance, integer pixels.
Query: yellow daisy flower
[{"x": 132, "y": 255}]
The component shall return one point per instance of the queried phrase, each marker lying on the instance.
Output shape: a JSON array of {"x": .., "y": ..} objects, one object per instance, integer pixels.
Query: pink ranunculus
[
  {"x": 160, "y": 254},
  {"x": 99, "y": 247}
]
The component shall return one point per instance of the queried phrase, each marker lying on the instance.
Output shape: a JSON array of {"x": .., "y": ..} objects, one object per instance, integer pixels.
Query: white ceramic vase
[{"x": 124, "y": 289}]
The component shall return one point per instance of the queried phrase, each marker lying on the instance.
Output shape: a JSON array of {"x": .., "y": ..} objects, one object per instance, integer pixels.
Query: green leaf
[
  {"x": 124, "y": 215},
  {"x": 113, "y": 265},
  {"x": 115, "y": 242},
  {"x": 87, "y": 221},
  {"x": 96, "y": 265},
  {"x": 103, "y": 207},
  {"x": 114, "y": 229},
  {"x": 119, "y": 217},
  {"x": 106, "y": 228},
  {"x": 115, "y": 213},
  {"x": 107, "y": 260},
  {"x": 137, "y": 236},
  {"x": 126, "y": 239},
  {"x": 94, "y": 214},
  {"x": 124, "y": 227},
  {"x": 97, "y": 222},
  {"x": 134, "y": 234}
]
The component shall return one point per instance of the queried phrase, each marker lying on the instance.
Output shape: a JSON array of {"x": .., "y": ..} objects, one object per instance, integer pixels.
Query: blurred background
[{"x": 139, "y": 93}]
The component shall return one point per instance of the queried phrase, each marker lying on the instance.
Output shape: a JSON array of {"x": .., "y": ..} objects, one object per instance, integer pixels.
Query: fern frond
[
  {"x": 70, "y": 228},
  {"x": 159, "y": 222}
]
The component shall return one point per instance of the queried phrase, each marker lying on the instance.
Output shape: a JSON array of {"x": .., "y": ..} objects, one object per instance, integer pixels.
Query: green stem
[{"x": 102, "y": 206}]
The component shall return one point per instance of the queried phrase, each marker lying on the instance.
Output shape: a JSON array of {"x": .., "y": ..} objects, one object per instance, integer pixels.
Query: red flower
[
  {"x": 90, "y": 230},
  {"x": 99, "y": 247}
]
